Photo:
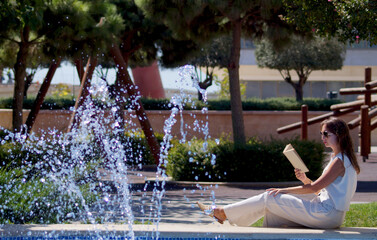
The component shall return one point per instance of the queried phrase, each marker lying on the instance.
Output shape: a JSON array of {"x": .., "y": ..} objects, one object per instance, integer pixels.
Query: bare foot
[{"x": 219, "y": 214}]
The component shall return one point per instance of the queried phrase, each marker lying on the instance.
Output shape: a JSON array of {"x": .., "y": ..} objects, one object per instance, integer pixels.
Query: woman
[{"x": 334, "y": 189}]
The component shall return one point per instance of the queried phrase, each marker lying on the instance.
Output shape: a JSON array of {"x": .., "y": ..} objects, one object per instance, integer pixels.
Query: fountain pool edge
[{"x": 178, "y": 232}]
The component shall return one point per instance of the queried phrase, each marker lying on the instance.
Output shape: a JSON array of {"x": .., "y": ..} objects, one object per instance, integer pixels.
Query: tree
[
  {"x": 71, "y": 32},
  {"x": 115, "y": 29},
  {"x": 349, "y": 21},
  {"x": 301, "y": 56},
  {"x": 21, "y": 23},
  {"x": 204, "y": 20},
  {"x": 142, "y": 41},
  {"x": 223, "y": 83},
  {"x": 215, "y": 53},
  {"x": 35, "y": 60}
]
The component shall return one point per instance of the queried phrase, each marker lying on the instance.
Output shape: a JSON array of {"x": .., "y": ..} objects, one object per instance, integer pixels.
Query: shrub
[
  {"x": 256, "y": 161},
  {"x": 137, "y": 149},
  {"x": 38, "y": 200},
  {"x": 156, "y": 104},
  {"x": 15, "y": 155},
  {"x": 35, "y": 154},
  {"x": 192, "y": 161}
]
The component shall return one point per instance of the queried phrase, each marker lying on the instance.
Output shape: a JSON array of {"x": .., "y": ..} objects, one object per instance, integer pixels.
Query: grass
[
  {"x": 258, "y": 223},
  {"x": 359, "y": 215}
]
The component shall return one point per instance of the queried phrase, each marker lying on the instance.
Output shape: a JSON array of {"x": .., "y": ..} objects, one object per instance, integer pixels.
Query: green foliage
[
  {"x": 62, "y": 90},
  {"x": 213, "y": 54},
  {"x": 192, "y": 161},
  {"x": 11, "y": 153},
  {"x": 361, "y": 215},
  {"x": 201, "y": 21},
  {"x": 301, "y": 56},
  {"x": 74, "y": 28},
  {"x": 224, "y": 86},
  {"x": 275, "y": 104},
  {"x": 258, "y": 223},
  {"x": 37, "y": 200},
  {"x": 137, "y": 149},
  {"x": 156, "y": 104},
  {"x": 279, "y": 104},
  {"x": 51, "y": 102},
  {"x": 32, "y": 153},
  {"x": 254, "y": 162},
  {"x": 350, "y": 21}
]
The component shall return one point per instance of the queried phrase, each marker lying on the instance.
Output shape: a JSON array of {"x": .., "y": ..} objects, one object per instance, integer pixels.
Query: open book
[{"x": 294, "y": 158}]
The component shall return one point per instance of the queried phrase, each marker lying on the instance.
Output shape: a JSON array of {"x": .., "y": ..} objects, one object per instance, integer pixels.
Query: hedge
[
  {"x": 256, "y": 104},
  {"x": 257, "y": 161}
]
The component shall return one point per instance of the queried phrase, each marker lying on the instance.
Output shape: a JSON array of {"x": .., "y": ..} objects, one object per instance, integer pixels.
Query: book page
[{"x": 294, "y": 158}]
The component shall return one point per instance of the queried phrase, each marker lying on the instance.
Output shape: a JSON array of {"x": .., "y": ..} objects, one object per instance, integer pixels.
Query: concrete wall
[{"x": 262, "y": 124}]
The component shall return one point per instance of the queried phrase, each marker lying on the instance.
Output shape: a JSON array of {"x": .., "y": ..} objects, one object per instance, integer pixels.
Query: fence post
[
  {"x": 368, "y": 78},
  {"x": 364, "y": 132},
  {"x": 304, "y": 122}
]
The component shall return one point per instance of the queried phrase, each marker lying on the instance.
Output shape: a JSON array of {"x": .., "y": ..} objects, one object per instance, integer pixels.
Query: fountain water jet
[{"x": 90, "y": 166}]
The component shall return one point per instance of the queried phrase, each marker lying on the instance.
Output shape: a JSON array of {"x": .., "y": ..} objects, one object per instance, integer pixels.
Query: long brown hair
[{"x": 340, "y": 129}]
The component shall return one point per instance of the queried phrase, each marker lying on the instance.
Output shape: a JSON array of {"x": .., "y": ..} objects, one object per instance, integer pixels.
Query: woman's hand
[
  {"x": 300, "y": 175},
  {"x": 275, "y": 191}
]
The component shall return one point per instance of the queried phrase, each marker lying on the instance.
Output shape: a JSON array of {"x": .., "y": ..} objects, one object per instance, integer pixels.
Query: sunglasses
[{"x": 325, "y": 134}]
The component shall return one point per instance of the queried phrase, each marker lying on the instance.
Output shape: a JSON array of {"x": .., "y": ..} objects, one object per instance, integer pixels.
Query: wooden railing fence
[{"x": 365, "y": 104}]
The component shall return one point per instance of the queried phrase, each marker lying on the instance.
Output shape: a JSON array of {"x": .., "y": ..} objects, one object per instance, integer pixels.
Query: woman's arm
[
  {"x": 300, "y": 175},
  {"x": 335, "y": 170}
]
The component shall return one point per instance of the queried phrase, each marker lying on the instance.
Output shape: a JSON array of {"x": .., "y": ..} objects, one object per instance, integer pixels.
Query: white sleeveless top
[{"x": 340, "y": 192}]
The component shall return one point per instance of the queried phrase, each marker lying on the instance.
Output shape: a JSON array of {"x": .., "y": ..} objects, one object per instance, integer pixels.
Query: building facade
[{"x": 266, "y": 83}]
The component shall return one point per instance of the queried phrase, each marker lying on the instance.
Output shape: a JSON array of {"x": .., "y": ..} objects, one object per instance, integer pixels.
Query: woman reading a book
[{"x": 334, "y": 190}]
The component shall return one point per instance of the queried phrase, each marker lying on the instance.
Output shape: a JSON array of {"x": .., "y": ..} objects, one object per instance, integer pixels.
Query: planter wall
[{"x": 194, "y": 123}]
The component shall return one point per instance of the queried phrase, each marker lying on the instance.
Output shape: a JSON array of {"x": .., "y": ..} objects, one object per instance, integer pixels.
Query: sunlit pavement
[
  {"x": 180, "y": 217},
  {"x": 179, "y": 199}
]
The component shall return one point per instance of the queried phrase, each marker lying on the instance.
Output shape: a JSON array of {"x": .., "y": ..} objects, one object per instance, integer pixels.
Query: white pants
[{"x": 284, "y": 210}]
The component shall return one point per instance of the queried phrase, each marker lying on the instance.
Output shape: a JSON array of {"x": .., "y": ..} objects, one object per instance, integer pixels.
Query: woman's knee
[{"x": 268, "y": 198}]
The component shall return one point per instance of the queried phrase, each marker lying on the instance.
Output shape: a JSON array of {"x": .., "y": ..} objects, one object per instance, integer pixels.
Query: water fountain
[
  {"x": 77, "y": 185},
  {"x": 83, "y": 175}
]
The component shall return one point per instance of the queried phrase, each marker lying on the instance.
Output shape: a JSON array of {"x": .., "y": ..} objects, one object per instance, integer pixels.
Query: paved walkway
[
  {"x": 179, "y": 200},
  {"x": 180, "y": 217}
]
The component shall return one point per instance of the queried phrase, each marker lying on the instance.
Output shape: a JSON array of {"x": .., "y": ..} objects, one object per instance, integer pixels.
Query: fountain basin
[{"x": 213, "y": 231}]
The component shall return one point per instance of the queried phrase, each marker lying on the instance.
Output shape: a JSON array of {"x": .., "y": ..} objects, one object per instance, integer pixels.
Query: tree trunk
[
  {"x": 41, "y": 95},
  {"x": 80, "y": 68},
  {"x": 19, "y": 80},
  {"x": 28, "y": 81},
  {"x": 234, "y": 86},
  {"x": 200, "y": 96},
  {"x": 84, "y": 89},
  {"x": 125, "y": 81},
  {"x": 299, "y": 87},
  {"x": 1, "y": 75},
  {"x": 299, "y": 93}
]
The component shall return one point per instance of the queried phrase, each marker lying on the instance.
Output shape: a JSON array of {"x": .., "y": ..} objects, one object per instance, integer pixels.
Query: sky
[{"x": 171, "y": 78}]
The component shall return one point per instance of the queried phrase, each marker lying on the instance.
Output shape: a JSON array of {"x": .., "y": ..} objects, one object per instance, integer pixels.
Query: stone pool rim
[{"x": 183, "y": 231}]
